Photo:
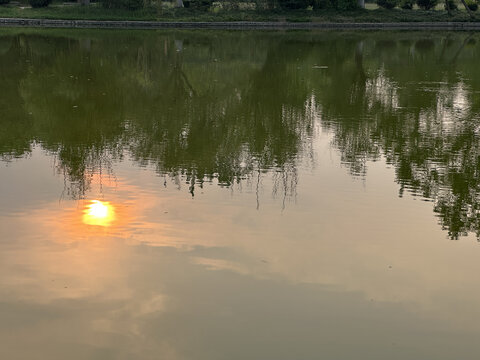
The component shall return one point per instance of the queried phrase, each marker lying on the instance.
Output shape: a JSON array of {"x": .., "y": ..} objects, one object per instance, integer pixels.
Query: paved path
[{"x": 97, "y": 24}]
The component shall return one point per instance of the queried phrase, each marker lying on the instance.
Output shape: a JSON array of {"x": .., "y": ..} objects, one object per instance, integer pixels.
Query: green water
[{"x": 239, "y": 195}]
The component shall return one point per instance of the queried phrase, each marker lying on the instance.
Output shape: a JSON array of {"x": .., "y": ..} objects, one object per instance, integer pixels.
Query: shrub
[
  {"x": 123, "y": 4},
  {"x": 406, "y": 4},
  {"x": 198, "y": 4},
  {"x": 451, "y": 5},
  {"x": 39, "y": 3},
  {"x": 294, "y": 4},
  {"x": 344, "y": 5},
  {"x": 427, "y": 4},
  {"x": 322, "y": 4},
  {"x": 387, "y": 4},
  {"x": 3, "y": 2},
  {"x": 472, "y": 4}
]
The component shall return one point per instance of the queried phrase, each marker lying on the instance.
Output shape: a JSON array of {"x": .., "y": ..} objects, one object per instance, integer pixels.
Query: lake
[{"x": 240, "y": 195}]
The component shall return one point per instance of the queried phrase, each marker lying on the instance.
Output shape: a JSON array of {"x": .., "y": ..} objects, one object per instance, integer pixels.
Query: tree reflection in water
[{"x": 233, "y": 106}]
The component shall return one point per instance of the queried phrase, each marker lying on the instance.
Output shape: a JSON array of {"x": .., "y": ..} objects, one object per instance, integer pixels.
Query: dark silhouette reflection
[
  {"x": 196, "y": 107},
  {"x": 15, "y": 124},
  {"x": 233, "y": 106},
  {"x": 419, "y": 110}
]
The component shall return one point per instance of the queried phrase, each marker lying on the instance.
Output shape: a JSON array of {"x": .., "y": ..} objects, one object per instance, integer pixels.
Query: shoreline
[{"x": 234, "y": 25}]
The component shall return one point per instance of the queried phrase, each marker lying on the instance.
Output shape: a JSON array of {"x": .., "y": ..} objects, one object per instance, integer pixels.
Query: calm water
[{"x": 239, "y": 195}]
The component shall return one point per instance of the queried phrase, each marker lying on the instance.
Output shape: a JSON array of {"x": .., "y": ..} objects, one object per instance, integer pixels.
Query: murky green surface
[{"x": 239, "y": 195}]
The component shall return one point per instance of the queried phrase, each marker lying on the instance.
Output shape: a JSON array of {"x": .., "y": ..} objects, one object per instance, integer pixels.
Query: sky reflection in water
[{"x": 236, "y": 195}]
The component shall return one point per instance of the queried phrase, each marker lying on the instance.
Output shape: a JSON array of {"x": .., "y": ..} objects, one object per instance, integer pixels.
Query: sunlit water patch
[{"x": 99, "y": 213}]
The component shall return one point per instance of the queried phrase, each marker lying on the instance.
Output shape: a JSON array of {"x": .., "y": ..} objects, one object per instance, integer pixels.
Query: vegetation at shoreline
[{"x": 217, "y": 11}]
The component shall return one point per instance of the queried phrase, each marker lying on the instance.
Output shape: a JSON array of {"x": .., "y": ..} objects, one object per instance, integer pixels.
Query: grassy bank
[{"x": 97, "y": 12}]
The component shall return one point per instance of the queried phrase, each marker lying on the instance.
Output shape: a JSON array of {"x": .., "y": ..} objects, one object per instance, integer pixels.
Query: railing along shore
[{"x": 111, "y": 24}]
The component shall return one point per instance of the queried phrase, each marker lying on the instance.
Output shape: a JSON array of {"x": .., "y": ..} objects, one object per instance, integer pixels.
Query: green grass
[{"x": 97, "y": 12}]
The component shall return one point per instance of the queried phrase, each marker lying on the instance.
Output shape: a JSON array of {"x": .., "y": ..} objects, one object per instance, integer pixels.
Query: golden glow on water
[{"x": 99, "y": 213}]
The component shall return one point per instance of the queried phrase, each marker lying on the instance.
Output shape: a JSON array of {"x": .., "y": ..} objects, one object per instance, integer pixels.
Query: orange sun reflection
[{"x": 99, "y": 213}]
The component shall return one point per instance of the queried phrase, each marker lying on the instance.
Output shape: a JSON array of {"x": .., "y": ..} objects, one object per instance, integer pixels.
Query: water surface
[{"x": 239, "y": 195}]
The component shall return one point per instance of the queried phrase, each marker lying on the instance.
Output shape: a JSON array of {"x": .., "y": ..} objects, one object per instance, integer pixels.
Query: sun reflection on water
[{"x": 99, "y": 213}]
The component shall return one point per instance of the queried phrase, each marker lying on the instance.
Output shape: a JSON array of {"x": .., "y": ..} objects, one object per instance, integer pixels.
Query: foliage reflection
[{"x": 233, "y": 105}]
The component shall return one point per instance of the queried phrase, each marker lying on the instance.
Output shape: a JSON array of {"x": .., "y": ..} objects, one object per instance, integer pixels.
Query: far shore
[
  {"x": 106, "y": 24},
  {"x": 59, "y": 15}
]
